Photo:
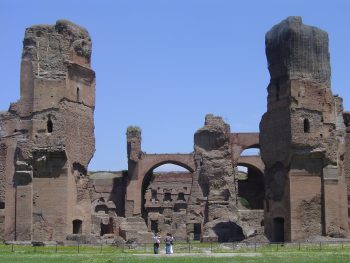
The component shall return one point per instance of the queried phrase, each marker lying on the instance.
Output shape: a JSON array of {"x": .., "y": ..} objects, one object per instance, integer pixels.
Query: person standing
[
  {"x": 171, "y": 244},
  {"x": 156, "y": 242},
  {"x": 168, "y": 239}
]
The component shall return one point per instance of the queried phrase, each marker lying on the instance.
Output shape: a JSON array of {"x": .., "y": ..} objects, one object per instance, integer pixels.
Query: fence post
[
  {"x": 211, "y": 246},
  {"x": 299, "y": 245},
  {"x": 189, "y": 246},
  {"x": 320, "y": 245},
  {"x": 78, "y": 248},
  {"x": 277, "y": 246},
  {"x": 56, "y": 248},
  {"x": 255, "y": 247},
  {"x": 101, "y": 247},
  {"x": 12, "y": 248},
  {"x": 342, "y": 245}
]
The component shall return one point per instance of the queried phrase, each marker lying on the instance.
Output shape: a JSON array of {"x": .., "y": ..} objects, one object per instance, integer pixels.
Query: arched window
[
  {"x": 154, "y": 195},
  {"x": 306, "y": 126},
  {"x": 101, "y": 209},
  {"x": 181, "y": 196},
  {"x": 49, "y": 125},
  {"x": 78, "y": 94},
  {"x": 167, "y": 197}
]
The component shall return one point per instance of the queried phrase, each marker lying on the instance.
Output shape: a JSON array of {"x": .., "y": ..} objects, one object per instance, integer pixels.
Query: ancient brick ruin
[
  {"x": 297, "y": 188},
  {"x": 47, "y": 137},
  {"x": 302, "y": 137}
]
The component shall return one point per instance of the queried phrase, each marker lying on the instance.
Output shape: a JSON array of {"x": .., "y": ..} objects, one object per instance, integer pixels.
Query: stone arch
[
  {"x": 148, "y": 175},
  {"x": 253, "y": 162},
  {"x": 140, "y": 175},
  {"x": 152, "y": 163},
  {"x": 243, "y": 141},
  {"x": 252, "y": 188},
  {"x": 101, "y": 208},
  {"x": 254, "y": 145}
]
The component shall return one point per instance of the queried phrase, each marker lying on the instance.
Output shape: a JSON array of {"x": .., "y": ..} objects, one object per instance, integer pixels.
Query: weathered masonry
[
  {"x": 47, "y": 137},
  {"x": 302, "y": 137},
  {"x": 298, "y": 187}
]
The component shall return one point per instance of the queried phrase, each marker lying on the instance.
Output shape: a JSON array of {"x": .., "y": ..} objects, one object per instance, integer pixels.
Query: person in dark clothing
[{"x": 156, "y": 242}]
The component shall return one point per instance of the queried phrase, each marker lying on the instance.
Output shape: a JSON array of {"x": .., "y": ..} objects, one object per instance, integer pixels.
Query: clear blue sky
[{"x": 163, "y": 64}]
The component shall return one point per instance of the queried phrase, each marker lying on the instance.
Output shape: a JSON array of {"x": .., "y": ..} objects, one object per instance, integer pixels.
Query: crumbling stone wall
[
  {"x": 3, "y": 155},
  {"x": 107, "y": 191},
  {"x": 302, "y": 136},
  {"x": 166, "y": 203},
  {"x": 346, "y": 117},
  {"x": 214, "y": 204},
  {"x": 49, "y": 134}
]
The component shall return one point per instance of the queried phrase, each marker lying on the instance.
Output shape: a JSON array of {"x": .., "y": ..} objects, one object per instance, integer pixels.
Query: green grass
[
  {"x": 203, "y": 253},
  {"x": 288, "y": 257}
]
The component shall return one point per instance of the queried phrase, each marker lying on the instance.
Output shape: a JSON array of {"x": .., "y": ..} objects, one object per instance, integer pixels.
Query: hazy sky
[{"x": 164, "y": 64}]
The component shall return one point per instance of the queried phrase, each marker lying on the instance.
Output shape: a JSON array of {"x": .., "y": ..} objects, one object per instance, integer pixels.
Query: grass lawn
[
  {"x": 268, "y": 257},
  {"x": 200, "y": 253}
]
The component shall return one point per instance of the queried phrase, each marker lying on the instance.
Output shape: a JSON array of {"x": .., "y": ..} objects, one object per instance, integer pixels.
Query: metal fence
[{"x": 178, "y": 247}]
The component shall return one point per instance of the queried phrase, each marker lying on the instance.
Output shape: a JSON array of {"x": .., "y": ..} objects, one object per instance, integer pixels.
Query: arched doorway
[
  {"x": 77, "y": 226},
  {"x": 251, "y": 182},
  {"x": 165, "y": 191},
  {"x": 251, "y": 186},
  {"x": 278, "y": 229}
]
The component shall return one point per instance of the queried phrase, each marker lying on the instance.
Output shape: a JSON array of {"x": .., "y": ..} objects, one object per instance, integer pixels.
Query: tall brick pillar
[
  {"x": 302, "y": 137},
  {"x": 134, "y": 152}
]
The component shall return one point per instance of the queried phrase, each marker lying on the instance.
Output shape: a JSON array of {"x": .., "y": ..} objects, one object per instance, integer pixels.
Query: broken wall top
[
  {"x": 214, "y": 135},
  {"x": 52, "y": 47},
  {"x": 298, "y": 51}
]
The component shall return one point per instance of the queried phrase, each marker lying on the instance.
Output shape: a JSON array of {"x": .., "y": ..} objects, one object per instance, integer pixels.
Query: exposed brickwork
[
  {"x": 302, "y": 137},
  {"x": 297, "y": 189},
  {"x": 49, "y": 132}
]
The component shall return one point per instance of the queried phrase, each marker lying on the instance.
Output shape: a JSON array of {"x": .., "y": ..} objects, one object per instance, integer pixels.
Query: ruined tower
[
  {"x": 302, "y": 137},
  {"x": 47, "y": 137},
  {"x": 213, "y": 206},
  {"x": 134, "y": 152}
]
